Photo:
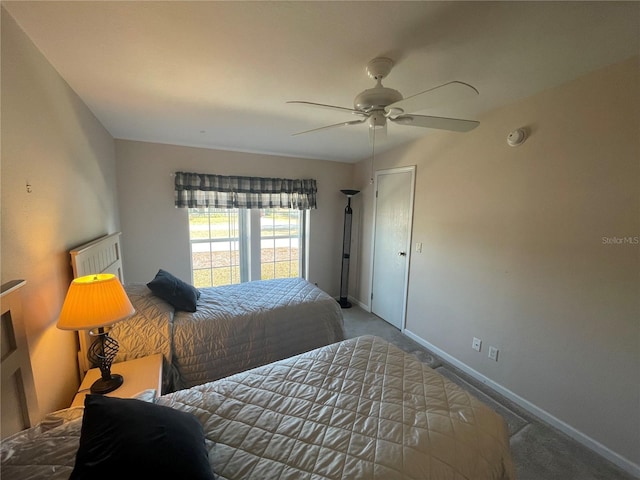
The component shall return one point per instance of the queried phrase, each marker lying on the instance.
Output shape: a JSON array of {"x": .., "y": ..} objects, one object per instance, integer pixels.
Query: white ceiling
[{"x": 218, "y": 74}]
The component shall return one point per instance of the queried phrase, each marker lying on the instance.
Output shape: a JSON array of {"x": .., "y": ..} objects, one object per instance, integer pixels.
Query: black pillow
[
  {"x": 174, "y": 291},
  {"x": 129, "y": 438}
]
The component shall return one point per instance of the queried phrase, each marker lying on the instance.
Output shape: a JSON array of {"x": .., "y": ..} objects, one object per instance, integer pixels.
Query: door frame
[{"x": 411, "y": 169}]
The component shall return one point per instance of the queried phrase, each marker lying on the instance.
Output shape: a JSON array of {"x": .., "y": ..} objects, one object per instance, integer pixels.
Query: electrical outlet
[
  {"x": 476, "y": 344},
  {"x": 493, "y": 353}
]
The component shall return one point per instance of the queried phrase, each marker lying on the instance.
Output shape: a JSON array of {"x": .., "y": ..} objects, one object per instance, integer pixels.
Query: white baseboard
[
  {"x": 543, "y": 415},
  {"x": 363, "y": 306}
]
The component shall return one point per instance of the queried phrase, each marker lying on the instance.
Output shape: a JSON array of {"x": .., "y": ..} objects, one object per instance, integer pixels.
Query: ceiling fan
[{"x": 376, "y": 105}]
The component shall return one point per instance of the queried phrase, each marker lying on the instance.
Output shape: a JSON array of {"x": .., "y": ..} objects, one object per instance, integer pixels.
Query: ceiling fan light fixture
[{"x": 377, "y": 121}]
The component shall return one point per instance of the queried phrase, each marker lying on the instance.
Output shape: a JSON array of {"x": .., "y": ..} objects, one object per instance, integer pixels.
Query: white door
[{"x": 392, "y": 243}]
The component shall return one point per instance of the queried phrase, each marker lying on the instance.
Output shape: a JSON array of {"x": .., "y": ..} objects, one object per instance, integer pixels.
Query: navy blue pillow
[
  {"x": 174, "y": 291},
  {"x": 129, "y": 438}
]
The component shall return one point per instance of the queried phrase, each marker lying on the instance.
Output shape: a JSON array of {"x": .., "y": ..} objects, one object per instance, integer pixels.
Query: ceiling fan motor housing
[{"x": 377, "y": 97}]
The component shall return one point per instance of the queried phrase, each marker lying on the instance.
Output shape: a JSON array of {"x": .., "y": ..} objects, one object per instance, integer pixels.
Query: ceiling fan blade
[
  {"x": 341, "y": 124},
  {"x": 332, "y": 107},
  {"x": 441, "y": 95},
  {"x": 440, "y": 123}
]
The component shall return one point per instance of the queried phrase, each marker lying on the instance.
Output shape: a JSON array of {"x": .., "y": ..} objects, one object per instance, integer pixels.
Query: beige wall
[
  {"x": 51, "y": 140},
  {"x": 514, "y": 253},
  {"x": 155, "y": 233}
]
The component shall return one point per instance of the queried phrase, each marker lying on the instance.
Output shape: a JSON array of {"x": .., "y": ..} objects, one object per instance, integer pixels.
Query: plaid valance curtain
[{"x": 197, "y": 190}]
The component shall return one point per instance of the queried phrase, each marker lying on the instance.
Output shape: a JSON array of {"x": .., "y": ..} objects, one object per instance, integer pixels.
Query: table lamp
[{"x": 94, "y": 302}]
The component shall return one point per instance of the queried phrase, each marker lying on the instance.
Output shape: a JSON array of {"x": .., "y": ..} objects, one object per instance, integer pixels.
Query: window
[
  {"x": 280, "y": 235},
  {"x": 230, "y": 245},
  {"x": 215, "y": 246},
  {"x": 245, "y": 228}
]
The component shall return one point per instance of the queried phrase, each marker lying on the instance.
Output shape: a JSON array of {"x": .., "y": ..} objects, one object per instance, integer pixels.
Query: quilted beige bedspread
[
  {"x": 235, "y": 328},
  {"x": 238, "y": 327},
  {"x": 358, "y": 409}
]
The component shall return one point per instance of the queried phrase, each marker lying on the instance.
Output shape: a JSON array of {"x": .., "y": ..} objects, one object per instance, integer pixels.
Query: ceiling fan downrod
[{"x": 379, "y": 96}]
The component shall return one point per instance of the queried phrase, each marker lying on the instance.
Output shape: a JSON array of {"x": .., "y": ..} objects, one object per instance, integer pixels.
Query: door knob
[{"x": 402, "y": 254}]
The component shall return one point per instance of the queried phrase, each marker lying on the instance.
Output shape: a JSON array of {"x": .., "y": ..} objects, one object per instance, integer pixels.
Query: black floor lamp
[{"x": 346, "y": 250}]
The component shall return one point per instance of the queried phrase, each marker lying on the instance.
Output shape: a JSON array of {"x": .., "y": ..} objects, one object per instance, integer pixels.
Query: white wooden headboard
[
  {"x": 101, "y": 255},
  {"x": 19, "y": 405}
]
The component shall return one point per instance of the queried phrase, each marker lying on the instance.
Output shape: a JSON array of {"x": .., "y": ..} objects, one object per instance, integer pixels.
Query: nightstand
[{"x": 139, "y": 374}]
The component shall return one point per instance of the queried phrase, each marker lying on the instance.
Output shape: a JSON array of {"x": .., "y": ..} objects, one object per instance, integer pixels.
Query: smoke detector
[{"x": 517, "y": 137}]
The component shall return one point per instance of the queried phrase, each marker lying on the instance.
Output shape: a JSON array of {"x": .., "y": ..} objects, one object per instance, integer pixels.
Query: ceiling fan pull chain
[{"x": 373, "y": 154}]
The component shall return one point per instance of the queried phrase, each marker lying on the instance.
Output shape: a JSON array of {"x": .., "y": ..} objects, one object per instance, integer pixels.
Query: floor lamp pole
[{"x": 346, "y": 250}]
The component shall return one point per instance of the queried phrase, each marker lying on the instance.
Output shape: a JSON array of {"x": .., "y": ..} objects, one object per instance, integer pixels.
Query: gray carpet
[{"x": 539, "y": 451}]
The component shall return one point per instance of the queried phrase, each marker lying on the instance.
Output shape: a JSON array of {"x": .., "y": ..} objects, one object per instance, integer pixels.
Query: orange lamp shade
[{"x": 94, "y": 301}]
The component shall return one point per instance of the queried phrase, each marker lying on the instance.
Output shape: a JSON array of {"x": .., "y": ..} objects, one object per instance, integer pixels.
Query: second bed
[{"x": 235, "y": 328}]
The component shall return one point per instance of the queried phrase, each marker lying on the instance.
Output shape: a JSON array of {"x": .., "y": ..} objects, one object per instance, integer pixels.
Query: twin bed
[
  {"x": 234, "y": 327},
  {"x": 358, "y": 408}
]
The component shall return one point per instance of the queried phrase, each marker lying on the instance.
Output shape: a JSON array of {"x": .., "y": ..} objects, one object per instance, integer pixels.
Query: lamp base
[
  {"x": 102, "y": 386},
  {"x": 344, "y": 303}
]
